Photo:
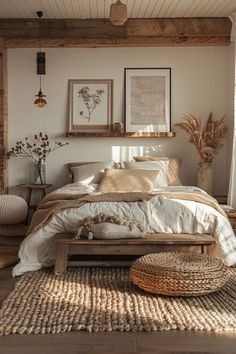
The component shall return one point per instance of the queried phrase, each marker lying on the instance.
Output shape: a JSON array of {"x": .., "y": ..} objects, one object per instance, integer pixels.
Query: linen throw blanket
[{"x": 54, "y": 203}]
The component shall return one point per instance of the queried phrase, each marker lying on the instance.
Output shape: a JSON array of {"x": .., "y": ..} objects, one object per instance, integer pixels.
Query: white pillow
[
  {"x": 162, "y": 166},
  {"x": 109, "y": 231},
  {"x": 91, "y": 173}
]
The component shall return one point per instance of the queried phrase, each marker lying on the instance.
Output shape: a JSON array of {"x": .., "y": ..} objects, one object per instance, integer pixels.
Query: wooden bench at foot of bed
[{"x": 152, "y": 243}]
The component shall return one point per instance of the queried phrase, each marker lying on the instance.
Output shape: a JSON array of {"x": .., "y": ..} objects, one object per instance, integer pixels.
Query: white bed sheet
[{"x": 159, "y": 214}]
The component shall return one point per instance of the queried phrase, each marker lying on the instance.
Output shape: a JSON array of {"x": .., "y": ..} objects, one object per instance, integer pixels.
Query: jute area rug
[{"x": 104, "y": 299}]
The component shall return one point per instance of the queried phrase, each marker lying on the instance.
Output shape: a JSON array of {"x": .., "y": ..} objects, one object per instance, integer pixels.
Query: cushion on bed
[
  {"x": 113, "y": 231},
  {"x": 173, "y": 172},
  {"x": 128, "y": 180},
  {"x": 161, "y": 166},
  {"x": 91, "y": 173}
]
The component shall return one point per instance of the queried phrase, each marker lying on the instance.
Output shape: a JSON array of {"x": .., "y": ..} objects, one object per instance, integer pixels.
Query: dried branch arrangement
[
  {"x": 36, "y": 149},
  {"x": 208, "y": 140}
]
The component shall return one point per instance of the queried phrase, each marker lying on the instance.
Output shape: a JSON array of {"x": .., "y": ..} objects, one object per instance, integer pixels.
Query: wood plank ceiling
[{"x": 64, "y": 9}]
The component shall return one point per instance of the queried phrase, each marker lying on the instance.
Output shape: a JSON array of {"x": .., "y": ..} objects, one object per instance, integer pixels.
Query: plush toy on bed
[{"x": 105, "y": 226}]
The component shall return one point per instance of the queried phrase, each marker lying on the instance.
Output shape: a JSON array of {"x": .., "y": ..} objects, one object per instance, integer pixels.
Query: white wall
[
  {"x": 200, "y": 84},
  {"x": 231, "y": 107}
]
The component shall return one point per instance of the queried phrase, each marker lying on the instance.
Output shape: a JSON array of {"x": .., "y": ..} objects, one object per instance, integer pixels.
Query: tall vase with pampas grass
[{"x": 208, "y": 141}]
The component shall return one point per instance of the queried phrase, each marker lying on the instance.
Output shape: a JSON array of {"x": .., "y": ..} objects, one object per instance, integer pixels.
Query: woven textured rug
[{"x": 104, "y": 299}]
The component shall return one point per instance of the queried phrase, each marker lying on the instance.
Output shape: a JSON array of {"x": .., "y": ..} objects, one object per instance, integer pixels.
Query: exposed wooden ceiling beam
[{"x": 101, "y": 33}]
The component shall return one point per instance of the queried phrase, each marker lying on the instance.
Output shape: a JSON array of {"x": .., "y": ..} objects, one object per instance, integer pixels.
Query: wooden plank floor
[{"x": 169, "y": 342}]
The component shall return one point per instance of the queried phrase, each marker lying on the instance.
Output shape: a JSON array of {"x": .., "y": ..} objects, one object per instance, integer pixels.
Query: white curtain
[{"x": 232, "y": 183}]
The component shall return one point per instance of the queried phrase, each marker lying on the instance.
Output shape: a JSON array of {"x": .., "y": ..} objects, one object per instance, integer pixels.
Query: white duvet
[{"x": 159, "y": 214}]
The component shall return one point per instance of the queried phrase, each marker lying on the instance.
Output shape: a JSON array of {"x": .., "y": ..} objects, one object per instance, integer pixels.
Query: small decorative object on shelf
[
  {"x": 208, "y": 141},
  {"x": 118, "y": 128},
  {"x": 36, "y": 149}
]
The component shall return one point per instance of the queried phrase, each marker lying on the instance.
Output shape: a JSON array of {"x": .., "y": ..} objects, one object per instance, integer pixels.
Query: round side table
[{"x": 34, "y": 187}]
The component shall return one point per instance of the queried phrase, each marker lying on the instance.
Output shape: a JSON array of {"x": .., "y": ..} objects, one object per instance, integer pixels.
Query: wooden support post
[
  {"x": 3, "y": 119},
  {"x": 62, "y": 259}
]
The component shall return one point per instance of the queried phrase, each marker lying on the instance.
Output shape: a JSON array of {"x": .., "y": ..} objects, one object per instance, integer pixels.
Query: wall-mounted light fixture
[
  {"x": 41, "y": 68},
  {"x": 118, "y": 13}
]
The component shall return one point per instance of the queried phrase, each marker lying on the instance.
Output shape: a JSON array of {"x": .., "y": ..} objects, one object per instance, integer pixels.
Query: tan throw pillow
[
  {"x": 128, "y": 180},
  {"x": 173, "y": 171},
  {"x": 109, "y": 231}
]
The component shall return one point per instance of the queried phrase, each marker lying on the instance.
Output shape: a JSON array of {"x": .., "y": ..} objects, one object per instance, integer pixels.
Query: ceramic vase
[{"x": 205, "y": 177}]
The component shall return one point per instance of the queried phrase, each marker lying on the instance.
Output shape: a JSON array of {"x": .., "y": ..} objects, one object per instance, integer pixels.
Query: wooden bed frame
[{"x": 152, "y": 243}]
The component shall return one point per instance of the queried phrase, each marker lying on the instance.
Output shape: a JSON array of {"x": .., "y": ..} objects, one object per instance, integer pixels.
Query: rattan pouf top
[{"x": 179, "y": 274}]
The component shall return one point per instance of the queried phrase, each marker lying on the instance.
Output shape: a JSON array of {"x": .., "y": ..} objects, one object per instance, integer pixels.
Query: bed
[{"x": 169, "y": 209}]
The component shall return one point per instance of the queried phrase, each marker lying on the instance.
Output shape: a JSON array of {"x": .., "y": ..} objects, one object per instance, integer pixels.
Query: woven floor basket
[{"x": 179, "y": 274}]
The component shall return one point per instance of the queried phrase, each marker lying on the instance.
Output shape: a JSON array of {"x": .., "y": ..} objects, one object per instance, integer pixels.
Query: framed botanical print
[
  {"x": 90, "y": 105},
  {"x": 147, "y": 100}
]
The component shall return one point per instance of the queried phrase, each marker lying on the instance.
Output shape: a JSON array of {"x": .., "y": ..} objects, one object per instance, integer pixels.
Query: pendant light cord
[
  {"x": 40, "y": 47},
  {"x": 40, "y": 33},
  {"x": 40, "y": 50}
]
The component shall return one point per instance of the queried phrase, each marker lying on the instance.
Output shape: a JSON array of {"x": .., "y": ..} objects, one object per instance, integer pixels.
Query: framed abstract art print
[{"x": 147, "y": 100}]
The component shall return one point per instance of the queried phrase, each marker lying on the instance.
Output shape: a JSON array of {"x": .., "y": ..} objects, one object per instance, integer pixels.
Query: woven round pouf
[
  {"x": 13, "y": 209},
  {"x": 179, "y": 274}
]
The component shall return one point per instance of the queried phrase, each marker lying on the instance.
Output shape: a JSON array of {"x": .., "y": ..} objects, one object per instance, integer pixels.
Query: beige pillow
[
  {"x": 161, "y": 166},
  {"x": 109, "y": 231},
  {"x": 173, "y": 171},
  {"x": 91, "y": 173},
  {"x": 128, "y": 180}
]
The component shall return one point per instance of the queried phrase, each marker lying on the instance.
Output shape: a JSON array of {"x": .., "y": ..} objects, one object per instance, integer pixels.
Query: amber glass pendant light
[{"x": 40, "y": 100}]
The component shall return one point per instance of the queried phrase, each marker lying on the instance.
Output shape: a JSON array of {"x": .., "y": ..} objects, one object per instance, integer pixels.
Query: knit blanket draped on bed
[{"x": 55, "y": 203}]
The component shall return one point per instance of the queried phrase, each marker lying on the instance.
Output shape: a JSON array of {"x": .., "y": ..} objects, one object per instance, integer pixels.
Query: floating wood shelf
[{"x": 121, "y": 135}]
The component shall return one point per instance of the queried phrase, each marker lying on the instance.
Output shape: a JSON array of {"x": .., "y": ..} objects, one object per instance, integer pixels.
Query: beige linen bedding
[
  {"x": 176, "y": 210},
  {"x": 54, "y": 203}
]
